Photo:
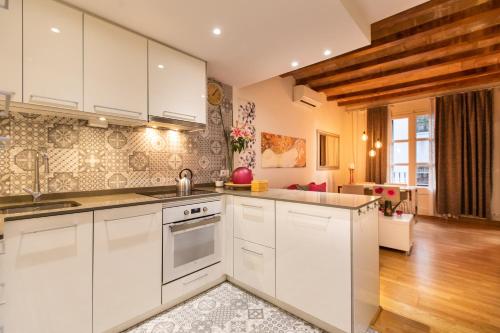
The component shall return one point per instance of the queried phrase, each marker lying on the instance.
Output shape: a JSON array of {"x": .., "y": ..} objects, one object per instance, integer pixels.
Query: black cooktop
[{"x": 174, "y": 194}]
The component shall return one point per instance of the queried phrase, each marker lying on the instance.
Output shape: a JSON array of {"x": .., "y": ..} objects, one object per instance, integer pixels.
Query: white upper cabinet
[
  {"x": 53, "y": 54},
  {"x": 115, "y": 70},
  {"x": 177, "y": 85},
  {"x": 11, "y": 54}
]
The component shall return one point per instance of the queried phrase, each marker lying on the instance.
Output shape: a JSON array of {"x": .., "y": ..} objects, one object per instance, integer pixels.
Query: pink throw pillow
[{"x": 317, "y": 187}]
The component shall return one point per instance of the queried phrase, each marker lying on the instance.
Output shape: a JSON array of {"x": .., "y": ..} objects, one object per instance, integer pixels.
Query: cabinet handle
[
  {"x": 253, "y": 252},
  {"x": 105, "y": 110},
  {"x": 179, "y": 116},
  {"x": 49, "y": 229},
  {"x": 4, "y": 6},
  {"x": 54, "y": 101},
  {"x": 2, "y": 301},
  {"x": 127, "y": 217},
  {"x": 252, "y": 206},
  {"x": 198, "y": 278},
  {"x": 310, "y": 215}
]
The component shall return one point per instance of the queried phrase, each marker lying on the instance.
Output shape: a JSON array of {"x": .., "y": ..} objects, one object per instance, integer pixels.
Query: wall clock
[{"x": 215, "y": 94}]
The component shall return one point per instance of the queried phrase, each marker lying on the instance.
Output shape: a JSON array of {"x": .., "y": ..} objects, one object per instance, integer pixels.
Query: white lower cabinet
[
  {"x": 48, "y": 274},
  {"x": 365, "y": 258},
  {"x": 254, "y": 265},
  {"x": 227, "y": 218},
  {"x": 127, "y": 264},
  {"x": 185, "y": 286},
  {"x": 313, "y": 265},
  {"x": 254, "y": 220}
]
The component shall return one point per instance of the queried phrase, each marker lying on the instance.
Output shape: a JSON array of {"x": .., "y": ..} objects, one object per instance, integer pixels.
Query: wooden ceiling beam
[
  {"x": 422, "y": 13},
  {"x": 461, "y": 27},
  {"x": 464, "y": 84},
  {"x": 466, "y": 60},
  {"x": 417, "y": 84},
  {"x": 468, "y": 42},
  {"x": 438, "y": 22}
]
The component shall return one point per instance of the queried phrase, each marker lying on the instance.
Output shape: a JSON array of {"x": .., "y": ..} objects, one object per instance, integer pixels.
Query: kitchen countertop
[
  {"x": 329, "y": 199},
  {"x": 89, "y": 203},
  {"x": 97, "y": 202}
]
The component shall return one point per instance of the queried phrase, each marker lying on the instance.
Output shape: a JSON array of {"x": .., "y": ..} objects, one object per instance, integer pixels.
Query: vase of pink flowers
[{"x": 237, "y": 140}]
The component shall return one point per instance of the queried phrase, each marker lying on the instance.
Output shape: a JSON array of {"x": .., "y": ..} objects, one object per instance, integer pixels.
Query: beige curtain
[
  {"x": 376, "y": 128},
  {"x": 464, "y": 147}
]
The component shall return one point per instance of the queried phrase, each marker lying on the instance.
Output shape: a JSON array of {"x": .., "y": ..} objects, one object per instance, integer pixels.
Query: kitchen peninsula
[{"x": 313, "y": 254}]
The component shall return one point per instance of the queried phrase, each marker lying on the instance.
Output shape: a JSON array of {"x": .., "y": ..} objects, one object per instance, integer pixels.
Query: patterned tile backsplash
[{"x": 85, "y": 158}]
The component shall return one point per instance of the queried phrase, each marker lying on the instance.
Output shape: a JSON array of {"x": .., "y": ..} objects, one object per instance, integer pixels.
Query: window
[{"x": 411, "y": 149}]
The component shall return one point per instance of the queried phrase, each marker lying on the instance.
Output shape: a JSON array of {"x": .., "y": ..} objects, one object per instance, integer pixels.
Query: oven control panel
[{"x": 191, "y": 211}]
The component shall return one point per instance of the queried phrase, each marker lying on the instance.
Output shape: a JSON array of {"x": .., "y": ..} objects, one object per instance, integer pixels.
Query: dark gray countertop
[{"x": 329, "y": 199}]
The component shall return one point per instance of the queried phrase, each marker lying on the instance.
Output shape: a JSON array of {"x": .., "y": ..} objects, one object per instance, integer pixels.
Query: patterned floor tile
[{"x": 225, "y": 308}]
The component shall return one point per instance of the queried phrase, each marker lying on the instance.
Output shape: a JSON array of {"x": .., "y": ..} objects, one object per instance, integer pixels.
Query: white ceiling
[{"x": 260, "y": 38}]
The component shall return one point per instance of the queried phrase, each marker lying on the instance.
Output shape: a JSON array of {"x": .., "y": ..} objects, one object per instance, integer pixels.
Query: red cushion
[
  {"x": 317, "y": 187},
  {"x": 292, "y": 187}
]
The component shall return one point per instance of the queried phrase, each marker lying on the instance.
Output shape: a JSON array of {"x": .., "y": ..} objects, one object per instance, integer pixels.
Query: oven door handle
[{"x": 190, "y": 225}]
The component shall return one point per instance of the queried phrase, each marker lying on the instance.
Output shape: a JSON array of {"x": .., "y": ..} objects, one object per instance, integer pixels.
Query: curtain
[
  {"x": 376, "y": 128},
  {"x": 464, "y": 148}
]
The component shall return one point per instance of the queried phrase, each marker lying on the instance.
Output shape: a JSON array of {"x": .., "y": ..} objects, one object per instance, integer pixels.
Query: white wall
[
  {"x": 275, "y": 113},
  {"x": 495, "y": 202}
]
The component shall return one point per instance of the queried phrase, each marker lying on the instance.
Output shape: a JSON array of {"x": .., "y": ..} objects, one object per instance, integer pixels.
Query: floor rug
[{"x": 225, "y": 308}]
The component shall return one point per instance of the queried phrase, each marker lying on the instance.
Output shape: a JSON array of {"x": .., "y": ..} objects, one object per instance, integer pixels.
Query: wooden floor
[{"x": 450, "y": 283}]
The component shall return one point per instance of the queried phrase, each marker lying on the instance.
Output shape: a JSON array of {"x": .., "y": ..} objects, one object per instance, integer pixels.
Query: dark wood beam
[
  {"x": 438, "y": 22},
  {"x": 408, "y": 86},
  {"x": 471, "y": 59},
  {"x": 459, "y": 28},
  {"x": 467, "y": 42},
  {"x": 464, "y": 84},
  {"x": 420, "y": 14}
]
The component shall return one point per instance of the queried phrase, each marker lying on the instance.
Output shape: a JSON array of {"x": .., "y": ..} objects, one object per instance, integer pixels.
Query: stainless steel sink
[{"x": 37, "y": 206}]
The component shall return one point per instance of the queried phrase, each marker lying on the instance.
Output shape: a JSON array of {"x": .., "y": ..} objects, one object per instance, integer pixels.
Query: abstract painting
[{"x": 280, "y": 151}]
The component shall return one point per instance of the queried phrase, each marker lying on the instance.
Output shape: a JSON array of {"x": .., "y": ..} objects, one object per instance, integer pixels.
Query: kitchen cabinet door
[
  {"x": 48, "y": 274},
  {"x": 127, "y": 264},
  {"x": 365, "y": 256},
  {"x": 177, "y": 85},
  {"x": 228, "y": 219},
  {"x": 11, "y": 37},
  {"x": 255, "y": 266},
  {"x": 254, "y": 220},
  {"x": 115, "y": 70},
  {"x": 313, "y": 261},
  {"x": 53, "y": 54}
]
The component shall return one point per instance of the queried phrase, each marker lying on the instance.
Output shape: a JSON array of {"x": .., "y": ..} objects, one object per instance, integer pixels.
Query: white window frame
[{"x": 412, "y": 146}]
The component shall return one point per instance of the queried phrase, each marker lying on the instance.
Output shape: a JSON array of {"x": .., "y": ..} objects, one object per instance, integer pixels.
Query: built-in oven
[{"x": 192, "y": 236}]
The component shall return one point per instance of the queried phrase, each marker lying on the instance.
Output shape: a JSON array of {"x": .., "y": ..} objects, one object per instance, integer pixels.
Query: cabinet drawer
[
  {"x": 184, "y": 287},
  {"x": 254, "y": 220},
  {"x": 254, "y": 265}
]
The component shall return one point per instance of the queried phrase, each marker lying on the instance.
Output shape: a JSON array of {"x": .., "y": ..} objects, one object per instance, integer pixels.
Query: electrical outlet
[{"x": 224, "y": 173}]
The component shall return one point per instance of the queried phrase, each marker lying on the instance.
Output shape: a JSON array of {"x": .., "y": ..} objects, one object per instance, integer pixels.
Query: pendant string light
[
  {"x": 378, "y": 144},
  {"x": 364, "y": 136}
]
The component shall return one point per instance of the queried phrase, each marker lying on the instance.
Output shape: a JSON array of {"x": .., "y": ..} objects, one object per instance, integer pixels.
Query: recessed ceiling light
[
  {"x": 160, "y": 66},
  {"x": 294, "y": 63},
  {"x": 216, "y": 31},
  {"x": 327, "y": 52},
  {"x": 55, "y": 30},
  {"x": 102, "y": 118}
]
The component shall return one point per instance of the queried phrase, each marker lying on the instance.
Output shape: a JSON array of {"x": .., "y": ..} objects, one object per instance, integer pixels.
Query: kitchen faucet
[{"x": 35, "y": 192}]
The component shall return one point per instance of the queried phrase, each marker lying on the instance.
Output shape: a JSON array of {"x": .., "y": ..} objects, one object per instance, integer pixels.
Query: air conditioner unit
[{"x": 308, "y": 98}]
